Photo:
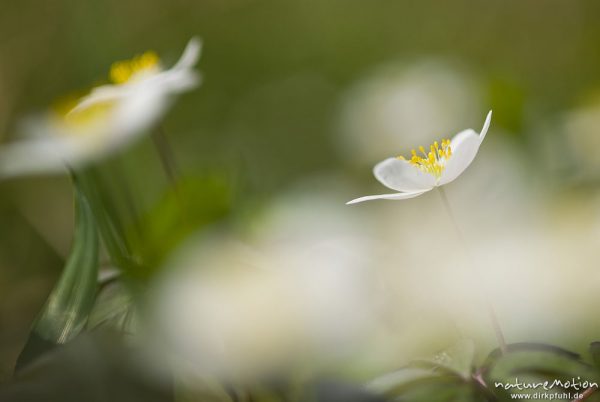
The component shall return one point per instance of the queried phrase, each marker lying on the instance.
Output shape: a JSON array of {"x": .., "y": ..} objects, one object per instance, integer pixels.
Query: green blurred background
[{"x": 276, "y": 74}]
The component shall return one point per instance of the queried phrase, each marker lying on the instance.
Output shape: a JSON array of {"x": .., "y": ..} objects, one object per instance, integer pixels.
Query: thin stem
[
  {"x": 166, "y": 155},
  {"x": 125, "y": 189},
  {"x": 459, "y": 233},
  {"x": 585, "y": 395},
  {"x": 490, "y": 308},
  {"x": 167, "y": 160}
]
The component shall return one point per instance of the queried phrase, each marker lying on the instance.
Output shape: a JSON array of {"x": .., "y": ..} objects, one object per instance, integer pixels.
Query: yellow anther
[
  {"x": 433, "y": 162},
  {"x": 123, "y": 71}
]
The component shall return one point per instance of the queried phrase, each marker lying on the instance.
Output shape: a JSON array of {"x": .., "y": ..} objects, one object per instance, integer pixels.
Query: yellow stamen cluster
[
  {"x": 434, "y": 161},
  {"x": 74, "y": 117},
  {"x": 123, "y": 71}
]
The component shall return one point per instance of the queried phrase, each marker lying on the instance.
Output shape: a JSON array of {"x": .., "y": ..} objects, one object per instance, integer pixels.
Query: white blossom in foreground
[
  {"x": 109, "y": 117},
  {"x": 421, "y": 173},
  {"x": 294, "y": 292},
  {"x": 235, "y": 311}
]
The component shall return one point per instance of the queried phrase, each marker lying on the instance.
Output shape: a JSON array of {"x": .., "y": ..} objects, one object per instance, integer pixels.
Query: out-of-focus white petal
[
  {"x": 137, "y": 113},
  {"x": 31, "y": 157},
  {"x": 190, "y": 55},
  {"x": 395, "y": 196},
  {"x": 175, "y": 81},
  {"x": 101, "y": 94},
  {"x": 400, "y": 175},
  {"x": 464, "y": 147},
  {"x": 278, "y": 300}
]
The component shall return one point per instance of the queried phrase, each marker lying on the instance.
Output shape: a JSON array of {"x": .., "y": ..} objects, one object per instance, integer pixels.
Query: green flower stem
[
  {"x": 167, "y": 160},
  {"x": 165, "y": 154},
  {"x": 489, "y": 306}
]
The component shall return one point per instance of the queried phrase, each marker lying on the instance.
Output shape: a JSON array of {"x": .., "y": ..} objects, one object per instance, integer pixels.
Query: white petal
[
  {"x": 400, "y": 175},
  {"x": 31, "y": 157},
  {"x": 101, "y": 94},
  {"x": 175, "y": 81},
  {"x": 135, "y": 114},
  {"x": 464, "y": 147},
  {"x": 486, "y": 125},
  {"x": 190, "y": 55},
  {"x": 395, "y": 196}
]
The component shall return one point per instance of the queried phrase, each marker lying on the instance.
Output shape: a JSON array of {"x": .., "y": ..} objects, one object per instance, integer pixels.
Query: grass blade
[{"x": 66, "y": 311}]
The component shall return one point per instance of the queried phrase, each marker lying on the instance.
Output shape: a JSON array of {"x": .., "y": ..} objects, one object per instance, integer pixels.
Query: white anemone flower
[
  {"x": 442, "y": 164},
  {"x": 85, "y": 129}
]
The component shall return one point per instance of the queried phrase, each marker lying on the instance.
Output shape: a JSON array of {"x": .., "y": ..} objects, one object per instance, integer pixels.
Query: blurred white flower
[
  {"x": 441, "y": 165},
  {"x": 582, "y": 145},
  {"x": 111, "y": 116},
  {"x": 248, "y": 308}
]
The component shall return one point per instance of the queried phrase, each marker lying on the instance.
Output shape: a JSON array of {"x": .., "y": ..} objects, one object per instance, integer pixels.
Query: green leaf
[
  {"x": 196, "y": 203},
  {"x": 446, "y": 377},
  {"x": 457, "y": 359},
  {"x": 65, "y": 313},
  {"x": 443, "y": 389},
  {"x": 416, "y": 385},
  {"x": 114, "y": 307},
  {"x": 533, "y": 364}
]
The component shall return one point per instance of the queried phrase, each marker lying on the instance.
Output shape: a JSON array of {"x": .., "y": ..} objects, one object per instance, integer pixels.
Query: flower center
[
  {"x": 127, "y": 70},
  {"x": 434, "y": 161},
  {"x": 75, "y": 119}
]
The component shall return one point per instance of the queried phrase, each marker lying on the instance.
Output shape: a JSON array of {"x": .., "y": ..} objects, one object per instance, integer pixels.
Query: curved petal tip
[
  {"x": 486, "y": 125},
  {"x": 394, "y": 196},
  {"x": 195, "y": 44},
  {"x": 191, "y": 54}
]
